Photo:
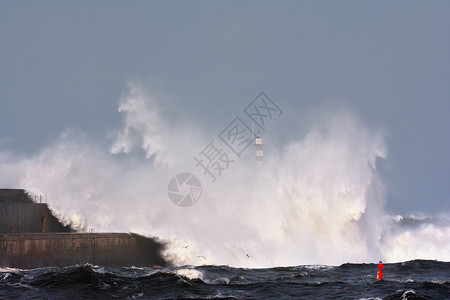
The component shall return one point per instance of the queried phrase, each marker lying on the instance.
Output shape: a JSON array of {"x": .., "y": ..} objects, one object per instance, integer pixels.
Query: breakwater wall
[
  {"x": 19, "y": 214},
  {"x": 33, "y": 250},
  {"x": 32, "y": 237}
]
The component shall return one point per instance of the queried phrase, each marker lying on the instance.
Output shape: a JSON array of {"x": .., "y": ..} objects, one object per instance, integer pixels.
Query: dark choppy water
[{"x": 418, "y": 279}]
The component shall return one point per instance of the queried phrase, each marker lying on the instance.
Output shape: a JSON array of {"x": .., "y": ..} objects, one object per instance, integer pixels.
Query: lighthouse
[{"x": 259, "y": 147}]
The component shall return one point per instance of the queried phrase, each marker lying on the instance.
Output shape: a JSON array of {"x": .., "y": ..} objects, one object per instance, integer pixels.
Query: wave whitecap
[{"x": 318, "y": 199}]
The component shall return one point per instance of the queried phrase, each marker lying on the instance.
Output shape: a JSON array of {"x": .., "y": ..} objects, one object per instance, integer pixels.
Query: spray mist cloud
[{"x": 317, "y": 193}]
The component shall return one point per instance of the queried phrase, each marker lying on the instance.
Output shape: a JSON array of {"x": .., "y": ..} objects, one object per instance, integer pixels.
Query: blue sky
[{"x": 65, "y": 64}]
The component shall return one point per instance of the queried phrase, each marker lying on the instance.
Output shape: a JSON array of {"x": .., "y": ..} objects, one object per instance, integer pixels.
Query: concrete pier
[
  {"x": 31, "y": 237},
  {"x": 35, "y": 250}
]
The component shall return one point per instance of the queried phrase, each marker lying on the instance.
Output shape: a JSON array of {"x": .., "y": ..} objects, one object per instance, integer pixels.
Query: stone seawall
[
  {"x": 28, "y": 217},
  {"x": 19, "y": 214},
  {"x": 33, "y": 250}
]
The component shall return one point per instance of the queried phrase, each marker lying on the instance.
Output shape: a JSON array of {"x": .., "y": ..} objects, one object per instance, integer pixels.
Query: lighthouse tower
[{"x": 259, "y": 147}]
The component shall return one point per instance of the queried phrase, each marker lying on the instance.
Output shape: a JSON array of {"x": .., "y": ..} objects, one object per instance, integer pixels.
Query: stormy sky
[{"x": 66, "y": 64}]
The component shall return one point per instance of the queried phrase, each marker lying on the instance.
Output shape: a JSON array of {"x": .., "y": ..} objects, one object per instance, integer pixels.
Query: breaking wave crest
[{"x": 317, "y": 193}]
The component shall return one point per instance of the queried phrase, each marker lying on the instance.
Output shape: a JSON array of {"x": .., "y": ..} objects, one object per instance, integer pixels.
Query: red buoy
[{"x": 380, "y": 272}]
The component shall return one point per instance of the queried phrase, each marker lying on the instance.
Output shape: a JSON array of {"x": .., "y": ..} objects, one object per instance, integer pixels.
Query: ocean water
[{"x": 417, "y": 279}]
